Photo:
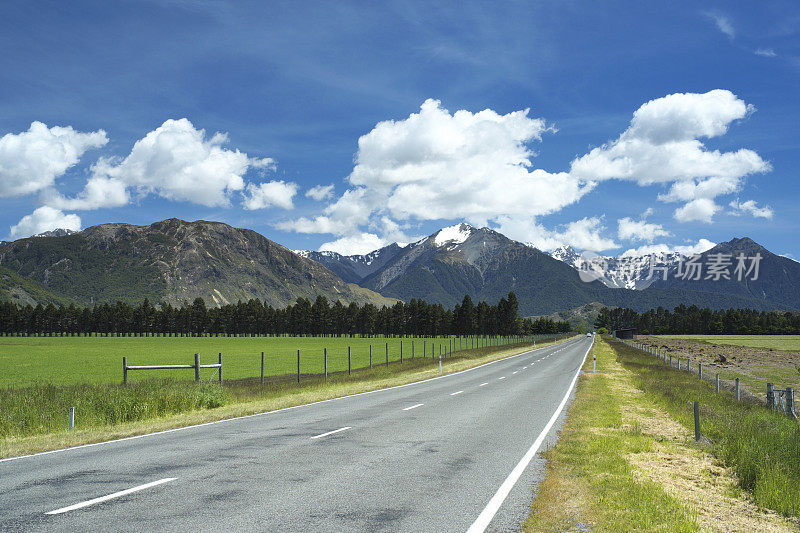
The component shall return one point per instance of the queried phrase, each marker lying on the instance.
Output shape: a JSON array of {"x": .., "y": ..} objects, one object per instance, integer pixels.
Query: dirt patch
[{"x": 693, "y": 476}]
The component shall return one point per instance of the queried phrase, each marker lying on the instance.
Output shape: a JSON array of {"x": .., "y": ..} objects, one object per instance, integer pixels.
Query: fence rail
[{"x": 196, "y": 366}]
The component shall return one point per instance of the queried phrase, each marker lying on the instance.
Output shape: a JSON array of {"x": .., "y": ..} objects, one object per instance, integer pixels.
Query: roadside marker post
[
  {"x": 349, "y": 361},
  {"x": 262, "y": 368},
  {"x": 696, "y": 421},
  {"x": 298, "y": 366},
  {"x": 716, "y": 382},
  {"x": 325, "y": 354},
  {"x": 370, "y": 356},
  {"x": 71, "y": 418},
  {"x": 737, "y": 389}
]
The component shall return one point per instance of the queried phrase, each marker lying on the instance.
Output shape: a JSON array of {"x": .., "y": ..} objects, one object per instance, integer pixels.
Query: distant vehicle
[{"x": 588, "y": 334}]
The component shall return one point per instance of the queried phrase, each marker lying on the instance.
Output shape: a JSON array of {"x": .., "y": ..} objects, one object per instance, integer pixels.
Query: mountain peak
[{"x": 453, "y": 234}]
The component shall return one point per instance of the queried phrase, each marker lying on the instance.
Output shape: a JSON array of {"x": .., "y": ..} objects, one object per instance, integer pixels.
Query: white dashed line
[
  {"x": 331, "y": 432},
  {"x": 502, "y": 377},
  {"x": 111, "y": 496},
  {"x": 413, "y": 407},
  {"x": 482, "y": 384},
  {"x": 455, "y": 393}
]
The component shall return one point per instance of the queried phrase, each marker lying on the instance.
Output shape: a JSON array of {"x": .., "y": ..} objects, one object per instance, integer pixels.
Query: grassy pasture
[
  {"x": 789, "y": 343},
  {"x": 98, "y": 360}
]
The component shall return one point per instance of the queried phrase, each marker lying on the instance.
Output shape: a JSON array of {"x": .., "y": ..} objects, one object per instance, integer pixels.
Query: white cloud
[
  {"x": 765, "y": 52},
  {"x": 583, "y": 234},
  {"x": 44, "y": 219},
  {"x": 662, "y": 146},
  {"x": 436, "y": 164},
  {"x": 272, "y": 193},
  {"x": 701, "y": 209},
  {"x": 723, "y": 24},
  {"x": 658, "y": 249},
  {"x": 751, "y": 207},
  {"x": 320, "y": 192},
  {"x": 98, "y": 192},
  {"x": 32, "y": 160},
  {"x": 639, "y": 230},
  {"x": 358, "y": 244}
]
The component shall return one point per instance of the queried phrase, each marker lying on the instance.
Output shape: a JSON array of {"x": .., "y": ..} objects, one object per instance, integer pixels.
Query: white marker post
[{"x": 594, "y": 355}]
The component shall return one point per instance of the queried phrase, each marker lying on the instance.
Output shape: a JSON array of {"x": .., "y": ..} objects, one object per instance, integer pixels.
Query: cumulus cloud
[
  {"x": 640, "y": 230},
  {"x": 658, "y": 249},
  {"x": 699, "y": 210},
  {"x": 751, "y": 207},
  {"x": 44, "y": 219},
  {"x": 272, "y": 193},
  {"x": 436, "y": 164},
  {"x": 31, "y": 161},
  {"x": 320, "y": 192},
  {"x": 358, "y": 244},
  {"x": 662, "y": 146},
  {"x": 175, "y": 161},
  {"x": 583, "y": 234}
]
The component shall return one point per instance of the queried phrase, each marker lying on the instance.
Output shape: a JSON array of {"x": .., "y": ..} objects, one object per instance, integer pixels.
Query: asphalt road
[{"x": 428, "y": 456}]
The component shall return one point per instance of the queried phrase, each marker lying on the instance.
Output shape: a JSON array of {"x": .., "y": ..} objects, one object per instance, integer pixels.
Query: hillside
[
  {"x": 174, "y": 261},
  {"x": 23, "y": 291}
]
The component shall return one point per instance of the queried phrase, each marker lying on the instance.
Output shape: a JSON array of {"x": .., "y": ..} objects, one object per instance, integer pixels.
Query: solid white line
[
  {"x": 413, "y": 407},
  {"x": 331, "y": 432},
  {"x": 482, "y": 384},
  {"x": 455, "y": 393},
  {"x": 482, "y": 522},
  {"x": 263, "y": 413},
  {"x": 111, "y": 496}
]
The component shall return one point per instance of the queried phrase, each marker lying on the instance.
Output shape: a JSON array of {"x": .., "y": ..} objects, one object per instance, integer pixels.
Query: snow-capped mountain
[
  {"x": 627, "y": 271},
  {"x": 353, "y": 268}
]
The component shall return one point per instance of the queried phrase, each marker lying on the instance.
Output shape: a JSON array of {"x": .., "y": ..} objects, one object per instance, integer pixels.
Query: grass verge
[
  {"x": 34, "y": 419},
  {"x": 623, "y": 463}
]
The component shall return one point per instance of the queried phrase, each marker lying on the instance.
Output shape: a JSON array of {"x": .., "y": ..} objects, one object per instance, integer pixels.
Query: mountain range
[{"x": 177, "y": 261}]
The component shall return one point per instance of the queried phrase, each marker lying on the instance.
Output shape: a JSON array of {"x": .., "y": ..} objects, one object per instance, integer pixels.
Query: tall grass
[
  {"x": 761, "y": 446},
  {"x": 45, "y": 408}
]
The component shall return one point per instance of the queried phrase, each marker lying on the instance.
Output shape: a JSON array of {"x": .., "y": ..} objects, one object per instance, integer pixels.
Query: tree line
[
  {"x": 694, "y": 320},
  {"x": 255, "y": 317}
]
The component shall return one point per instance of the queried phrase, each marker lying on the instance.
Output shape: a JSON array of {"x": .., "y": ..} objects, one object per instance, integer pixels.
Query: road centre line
[
  {"x": 486, "y": 516},
  {"x": 413, "y": 407},
  {"x": 483, "y": 384},
  {"x": 331, "y": 432},
  {"x": 456, "y": 393},
  {"x": 101, "y": 499}
]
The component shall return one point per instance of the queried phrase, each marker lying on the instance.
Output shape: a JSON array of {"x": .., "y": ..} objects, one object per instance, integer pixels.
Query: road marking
[
  {"x": 456, "y": 393},
  {"x": 101, "y": 499},
  {"x": 483, "y": 384},
  {"x": 514, "y": 372},
  {"x": 482, "y": 522},
  {"x": 413, "y": 407},
  {"x": 275, "y": 411},
  {"x": 331, "y": 432},
  {"x": 502, "y": 377}
]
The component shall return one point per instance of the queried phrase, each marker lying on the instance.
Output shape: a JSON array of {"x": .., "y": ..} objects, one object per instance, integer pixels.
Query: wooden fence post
[
  {"x": 349, "y": 361},
  {"x": 370, "y": 356},
  {"x": 220, "y": 367},
  {"x": 770, "y": 396},
  {"x": 298, "y": 366},
  {"x": 401, "y": 351},
  {"x": 325, "y": 350},
  {"x": 696, "y": 421},
  {"x": 387, "y": 354},
  {"x": 716, "y": 382},
  {"x": 262, "y": 368},
  {"x": 197, "y": 367},
  {"x": 124, "y": 370}
]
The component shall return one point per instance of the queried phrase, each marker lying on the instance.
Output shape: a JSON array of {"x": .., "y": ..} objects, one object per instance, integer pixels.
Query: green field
[
  {"x": 789, "y": 343},
  {"x": 71, "y": 360}
]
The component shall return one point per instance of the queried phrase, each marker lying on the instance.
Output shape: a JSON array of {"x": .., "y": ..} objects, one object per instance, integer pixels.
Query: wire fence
[
  {"x": 338, "y": 356},
  {"x": 778, "y": 399}
]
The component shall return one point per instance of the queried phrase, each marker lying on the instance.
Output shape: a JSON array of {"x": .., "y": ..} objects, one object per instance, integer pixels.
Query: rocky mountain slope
[{"x": 173, "y": 261}]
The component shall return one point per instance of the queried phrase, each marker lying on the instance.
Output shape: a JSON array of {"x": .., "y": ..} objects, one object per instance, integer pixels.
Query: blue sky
[{"x": 293, "y": 87}]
